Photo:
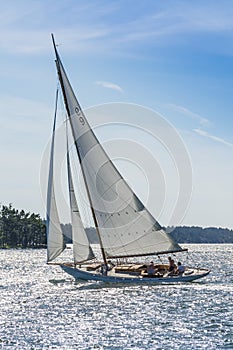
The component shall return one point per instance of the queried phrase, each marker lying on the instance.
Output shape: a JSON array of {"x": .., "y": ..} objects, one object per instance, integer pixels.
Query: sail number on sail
[{"x": 78, "y": 111}]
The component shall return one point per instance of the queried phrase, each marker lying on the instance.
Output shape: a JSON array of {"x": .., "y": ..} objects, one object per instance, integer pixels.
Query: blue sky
[{"x": 174, "y": 57}]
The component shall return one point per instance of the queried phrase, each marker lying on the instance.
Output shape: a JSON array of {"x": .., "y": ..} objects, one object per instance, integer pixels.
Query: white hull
[{"x": 112, "y": 277}]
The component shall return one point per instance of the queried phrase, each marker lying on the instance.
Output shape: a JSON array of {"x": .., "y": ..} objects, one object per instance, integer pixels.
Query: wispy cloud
[
  {"x": 212, "y": 137},
  {"x": 25, "y": 30},
  {"x": 98, "y": 26},
  {"x": 201, "y": 120},
  {"x": 109, "y": 85}
]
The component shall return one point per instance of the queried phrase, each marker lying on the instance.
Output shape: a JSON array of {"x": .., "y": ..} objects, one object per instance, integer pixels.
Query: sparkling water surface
[{"x": 44, "y": 308}]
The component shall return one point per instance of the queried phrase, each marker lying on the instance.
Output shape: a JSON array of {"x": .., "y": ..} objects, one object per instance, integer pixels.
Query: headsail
[
  {"x": 125, "y": 226},
  {"x": 81, "y": 247},
  {"x": 55, "y": 241}
]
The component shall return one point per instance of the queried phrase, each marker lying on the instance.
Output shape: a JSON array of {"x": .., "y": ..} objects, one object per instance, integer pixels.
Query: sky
[{"x": 171, "y": 60}]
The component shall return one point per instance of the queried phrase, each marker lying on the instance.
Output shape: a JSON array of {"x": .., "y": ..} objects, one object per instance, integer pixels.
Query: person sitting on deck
[
  {"x": 151, "y": 269},
  {"x": 110, "y": 265},
  {"x": 104, "y": 269},
  {"x": 180, "y": 268},
  {"x": 172, "y": 266}
]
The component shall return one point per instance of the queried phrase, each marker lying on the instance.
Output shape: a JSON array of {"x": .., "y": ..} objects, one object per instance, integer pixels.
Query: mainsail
[
  {"x": 55, "y": 241},
  {"x": 125, "y": 226},
  {"x": 81, "y": 246}
]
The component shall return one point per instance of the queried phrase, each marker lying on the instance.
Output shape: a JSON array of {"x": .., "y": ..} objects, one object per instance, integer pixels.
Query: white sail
[
  {"x": 55, "y": 241},
  {"x": 81, "y": 246},
  {"x": 126, "y": 227}
]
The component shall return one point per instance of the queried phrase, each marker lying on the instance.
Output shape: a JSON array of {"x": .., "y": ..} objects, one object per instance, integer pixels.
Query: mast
[{"x": 78, "y": 151}]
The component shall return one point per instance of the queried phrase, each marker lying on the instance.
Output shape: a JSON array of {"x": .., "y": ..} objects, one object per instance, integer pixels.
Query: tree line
[
  {"x": 196, "y": 234},
  {"x": 21, "y": 229},
  {"x": 186, "y": 234}
]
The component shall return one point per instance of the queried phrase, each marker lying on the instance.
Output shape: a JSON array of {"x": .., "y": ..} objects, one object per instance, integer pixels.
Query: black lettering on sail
[
  {"x": 77, "y": 110},
  {"x": 81, "y": 118}
]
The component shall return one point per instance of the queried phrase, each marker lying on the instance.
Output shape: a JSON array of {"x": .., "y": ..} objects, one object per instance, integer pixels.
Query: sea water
[{"x": 43, "y": 308}]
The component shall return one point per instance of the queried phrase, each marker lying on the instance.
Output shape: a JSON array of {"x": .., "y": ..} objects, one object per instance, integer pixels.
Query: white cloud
[
  {"x": 109, "y": 85},
  {"x": 201, "y": 120},
  {"x": 212, "y": 137}
]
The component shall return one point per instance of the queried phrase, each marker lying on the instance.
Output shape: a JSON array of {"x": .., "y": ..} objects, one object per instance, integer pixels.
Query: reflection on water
[{"x": 43, "y": 308}]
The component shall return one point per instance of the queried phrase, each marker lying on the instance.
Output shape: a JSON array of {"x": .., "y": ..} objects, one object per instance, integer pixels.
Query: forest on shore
[
  {"x": 187, "y": 234},
  {"x": 21, "y": 229}
]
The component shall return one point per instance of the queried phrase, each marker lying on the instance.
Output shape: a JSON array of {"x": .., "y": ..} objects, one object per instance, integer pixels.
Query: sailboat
[{"x": 127, "y": 232}]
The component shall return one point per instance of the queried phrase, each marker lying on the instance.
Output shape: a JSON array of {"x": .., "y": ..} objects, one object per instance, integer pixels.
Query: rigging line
[
  {"x": 51, "y": 198},
  {"x": 81, "y": 191},
  {"x": 62, "y": 109},
  {"x": 55, "y": 111},
  {"x": 73, "y": 202},
  {"x": 61, "y": 73}
]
